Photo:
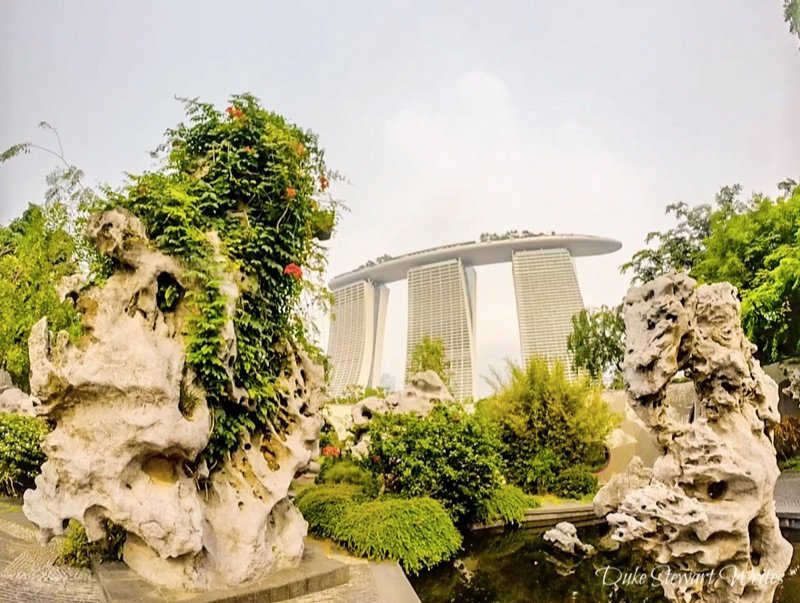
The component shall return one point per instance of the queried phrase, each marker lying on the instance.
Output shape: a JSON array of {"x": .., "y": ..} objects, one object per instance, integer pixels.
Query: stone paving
[{"x": 787, "y": 494}]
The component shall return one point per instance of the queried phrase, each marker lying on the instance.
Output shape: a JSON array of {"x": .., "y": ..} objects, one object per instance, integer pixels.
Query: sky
[{"x": 447, "y": 119}]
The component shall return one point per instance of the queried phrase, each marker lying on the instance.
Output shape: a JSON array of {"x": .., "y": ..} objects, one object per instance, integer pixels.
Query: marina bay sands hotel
[{"x": 441, "y": 304}]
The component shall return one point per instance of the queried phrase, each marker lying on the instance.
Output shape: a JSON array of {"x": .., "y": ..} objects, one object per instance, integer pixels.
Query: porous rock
[
  {"x": 707, "y": 505},
  {"x": 564, "y": 537},
  {"x": 131, "y": 421}
]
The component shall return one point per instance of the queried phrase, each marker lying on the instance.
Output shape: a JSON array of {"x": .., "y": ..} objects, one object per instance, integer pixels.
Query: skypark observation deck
[{"x": 441, "y": 303}]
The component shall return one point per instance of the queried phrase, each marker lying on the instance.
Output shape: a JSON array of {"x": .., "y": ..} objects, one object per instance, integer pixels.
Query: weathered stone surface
[
  {"x": 17, "y": 401},
  {"x": 708, "y": 503},
  {"x": 564, "y": 537},
  {"x": 5, "y": 381},
  {"x": 131, "y": 421}
]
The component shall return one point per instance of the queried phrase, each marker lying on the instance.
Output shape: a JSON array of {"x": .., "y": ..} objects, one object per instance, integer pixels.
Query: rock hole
[
  {"x": 169, "y": 292},
  {"x": 754, "y": 531},
  {"x": 247, "y": 446},
  {"x": 241, "y": 505},
  {"x": 65, "y": 523},
  {"x": 717, "y": 490}
]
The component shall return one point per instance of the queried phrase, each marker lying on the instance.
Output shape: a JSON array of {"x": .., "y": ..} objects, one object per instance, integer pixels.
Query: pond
[{"x": 517, "y": 566}]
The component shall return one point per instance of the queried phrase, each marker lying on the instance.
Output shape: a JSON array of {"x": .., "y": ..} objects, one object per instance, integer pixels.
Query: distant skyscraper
[
  {"x": 356, "y": 335},
  {"x": 441, "y": 305},
  {"x": 548, "y": 297}
]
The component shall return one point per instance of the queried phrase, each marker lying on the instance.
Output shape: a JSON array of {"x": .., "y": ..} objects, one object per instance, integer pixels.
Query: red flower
[
  {"x": 248, "y": 150},
  {"x": 323, "y": 182},
  {"x": 291, "y": 193},
  {"x": 234, "y": 111},
  {"x": 299, "y": 149},
  {"x": 293, "y": 270},
  {"x": 331, "y": 451},
  {"x": 376, "y": 458}
]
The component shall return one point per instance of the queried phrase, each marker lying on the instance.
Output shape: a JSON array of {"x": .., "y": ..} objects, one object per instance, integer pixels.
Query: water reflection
[{"x": 518, "y": 567}]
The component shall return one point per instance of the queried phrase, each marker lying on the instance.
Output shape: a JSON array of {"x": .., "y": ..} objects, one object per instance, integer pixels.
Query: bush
[
  {"x": 343, "y": 471},
  {"x": 76, "y": 550},
  {"x": 508, "y": 504},
  {"x": 323, "y": 506},
  {"x": 448, "y": 455},
  {"x": 546, "y": 423},
  {"x": 787, "y": 438},
  {"x": 418, "y": 533},
  {"x": 21, "y": 455},
  {"x": 575, "y": 482}
]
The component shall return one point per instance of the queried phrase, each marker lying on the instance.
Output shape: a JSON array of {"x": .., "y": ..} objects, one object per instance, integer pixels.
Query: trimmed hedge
[
  {"x": 508, "y": 504},
  {"x": 21, "y": 455},
  {"x": 418, "y": 532},
  {"x": 343, "y": 471},
  {"x": 575, "y": 482},
  {"x": 75, "y": 549}
]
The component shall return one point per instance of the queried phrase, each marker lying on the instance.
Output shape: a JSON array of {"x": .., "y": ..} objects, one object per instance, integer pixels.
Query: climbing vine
[{"x": 260, "y": 184}]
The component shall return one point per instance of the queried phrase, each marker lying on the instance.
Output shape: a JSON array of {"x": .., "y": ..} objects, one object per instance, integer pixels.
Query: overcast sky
[{"x": 448, "y": 119}]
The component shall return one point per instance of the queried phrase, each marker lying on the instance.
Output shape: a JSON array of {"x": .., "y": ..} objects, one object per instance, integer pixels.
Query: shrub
[
  {"x": 343, "y": 471},
  {"x": 507, "y": 504},
  {"x": 787, "y": 438},
  {"x": 418, "y": 533},
  {"x": 323, "y": 506},
  {"x": 76, "y": 550},
  {"x": 546, "y": 423},
  {"x": 448, "y": 455},
  {"x": 575, "y": 482},
  {"x": 21, "y": 455}
]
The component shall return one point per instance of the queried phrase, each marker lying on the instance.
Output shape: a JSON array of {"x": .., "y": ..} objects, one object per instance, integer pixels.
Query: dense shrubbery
[
  {"x": 448, "y": 455},
  {"x": 575, "y": 482},
  {"x": 21, "y": 455},
  {"x": 546, "y": 424},
  {"x": 507, "y": 504},
  {"x": 335, "y": 471},
  {"x": 418, "y": 532},
  {"x": 787, "y": 438},
  {"x": 76, "y": 550}
]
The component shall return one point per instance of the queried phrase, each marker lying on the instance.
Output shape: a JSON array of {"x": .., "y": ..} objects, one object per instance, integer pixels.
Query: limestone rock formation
[
  {"x": 15, "y": 400},
  {"x": 564, "y": 537},
  {"x": 131, "y": 421},
  {"x": 707, "y": 505}
]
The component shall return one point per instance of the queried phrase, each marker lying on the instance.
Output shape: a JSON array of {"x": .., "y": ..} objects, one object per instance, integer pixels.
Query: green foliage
[
  {"x": 758, "y": 252},
  {"x": 21, "y": 455},
  {"x": 430, "y": 355},
  {"x": 258, "y": 183},
  {"x": 791, "y": 14},
  {"x": 507, "y": 504},
  {"x": 448, "y": 455},
  {"x": 75, "y": 549},
  {"x": 337, "y": 471},
  {"x": 680, "y": 247},
  {"x": 597, "y": 343},
  {"x": 418, "y": 533},
  {"x": 546, "y": 424},
  {"x": 787, "y": 438},
  {"x": 752, "y": 245},
  {"x": 323, "y": 506},
  {"x": 36, "y": 251},
  {"x": 355, "y": 393},
  {"x": 575, "y": 482}
]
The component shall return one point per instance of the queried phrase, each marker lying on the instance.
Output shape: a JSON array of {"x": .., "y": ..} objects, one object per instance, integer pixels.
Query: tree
[
  {"x": 36, "y": 251},
  {"x": 791, "y": 14},
  {"x": 758, "y": 252},
  {"x": 680, "y": 247},
  {"x": 430, "y": 355},
  {"x": 597, "y": 343}
]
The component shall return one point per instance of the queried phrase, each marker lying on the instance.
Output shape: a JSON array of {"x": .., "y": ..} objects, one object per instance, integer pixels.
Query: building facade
[
  {"x": 548, "y": 296},
  {"x": 441, "y": 305},
  {"x": 356, "y": 335}
]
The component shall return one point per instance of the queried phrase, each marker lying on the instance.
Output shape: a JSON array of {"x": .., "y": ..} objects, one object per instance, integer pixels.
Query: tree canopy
[
  {"x": 597, "y": 343},
  {"x": 754, "y": 245},
  {"x": 430, "y": 355}
]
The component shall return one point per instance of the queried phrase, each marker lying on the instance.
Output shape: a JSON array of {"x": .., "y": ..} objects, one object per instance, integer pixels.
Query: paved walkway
[
  {"x": 787, "y": 495},
  {"x": 28, "y": 573}
]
